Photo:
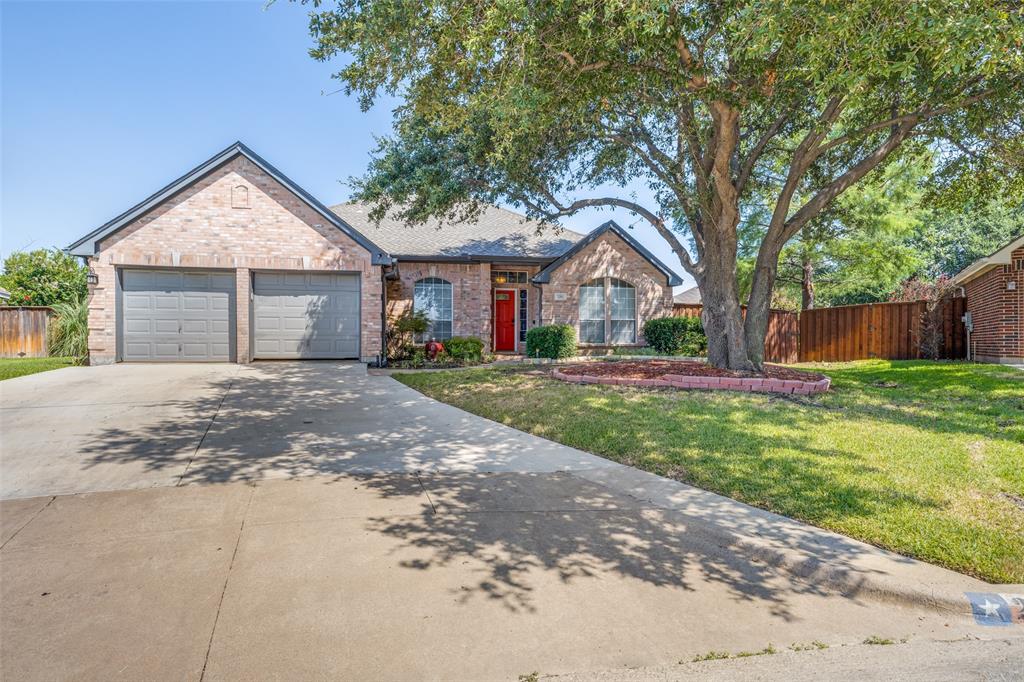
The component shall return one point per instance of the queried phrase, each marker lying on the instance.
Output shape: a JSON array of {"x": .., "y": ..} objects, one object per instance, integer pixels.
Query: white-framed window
[
  {"x": 607, "y": 312},
  {"x": 433, "y": 297},
  {"x": 622, "y": 318},
  {"x": 592, "y": 312}
]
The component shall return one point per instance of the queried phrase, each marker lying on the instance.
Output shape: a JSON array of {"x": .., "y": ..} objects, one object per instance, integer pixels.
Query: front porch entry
[{"x": 504, "y": 320}]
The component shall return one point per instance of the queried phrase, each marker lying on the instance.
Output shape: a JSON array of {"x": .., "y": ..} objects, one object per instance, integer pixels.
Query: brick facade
[
  {"x": 236, "y": 218},
  {"x": 606, "y": 256},
  {"x": 997, "y": 312},
  {"x": 472, "y": 293},
  {"x": 240, "y": 218}
]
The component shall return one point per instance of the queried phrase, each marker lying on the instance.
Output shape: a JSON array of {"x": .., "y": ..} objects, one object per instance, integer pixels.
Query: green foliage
[
  {"x": 676, "y": 336},
  {"x": 551, "y": 341},
  {"x": 43, "y": 277},
  {"x": 953, "y": 238},
  {"x": 401, "y": 333},
  {"x": 465, "y": 348},
  {"x": 68, "y": 330}
]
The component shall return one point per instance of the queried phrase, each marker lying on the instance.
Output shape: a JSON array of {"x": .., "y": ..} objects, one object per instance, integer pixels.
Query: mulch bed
[{"x": 653, "y": 369}]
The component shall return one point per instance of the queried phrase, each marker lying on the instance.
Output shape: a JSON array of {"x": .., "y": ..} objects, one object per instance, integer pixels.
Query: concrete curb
[{"x": 814, "y": 555}]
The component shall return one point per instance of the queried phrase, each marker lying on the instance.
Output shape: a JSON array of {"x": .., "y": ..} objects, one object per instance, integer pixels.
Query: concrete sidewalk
[{"x": 399, "y": 576}]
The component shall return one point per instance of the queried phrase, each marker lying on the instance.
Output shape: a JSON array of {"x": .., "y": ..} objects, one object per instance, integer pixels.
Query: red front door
[{"x": 504, "y": 319}]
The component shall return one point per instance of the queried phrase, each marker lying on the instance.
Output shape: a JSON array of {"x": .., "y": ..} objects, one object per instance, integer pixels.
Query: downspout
[{"x": 385, "y": 275}]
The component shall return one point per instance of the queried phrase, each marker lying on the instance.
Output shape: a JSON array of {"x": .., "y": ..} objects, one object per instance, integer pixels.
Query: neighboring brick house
[
  {"x": 994, "y": 287},
  {"x": 234, "y": 262}
]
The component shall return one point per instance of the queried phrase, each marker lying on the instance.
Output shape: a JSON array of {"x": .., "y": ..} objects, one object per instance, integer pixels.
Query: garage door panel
[
  {"x": 306, "y": 315},
  {"x": 185, "y": 316}
]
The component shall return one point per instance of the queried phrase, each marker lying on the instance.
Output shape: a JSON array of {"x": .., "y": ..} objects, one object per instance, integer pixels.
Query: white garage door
[
  {"x": 177, "y": 315},
  {"x": 305, "y": 315}
]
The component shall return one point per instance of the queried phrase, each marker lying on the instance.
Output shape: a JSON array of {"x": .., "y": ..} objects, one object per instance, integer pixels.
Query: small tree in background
[
  {"x": 931, "y": 336},
  {"x": 43, "y": 277}
]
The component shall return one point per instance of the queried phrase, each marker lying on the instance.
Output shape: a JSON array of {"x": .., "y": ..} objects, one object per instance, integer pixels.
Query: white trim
[{"x": 982, "y": 265}]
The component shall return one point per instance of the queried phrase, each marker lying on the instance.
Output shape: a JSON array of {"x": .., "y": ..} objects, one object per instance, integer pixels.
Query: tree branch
[
  {"x": 755, "y": 153},
  {"x": 651, "y": 217}
]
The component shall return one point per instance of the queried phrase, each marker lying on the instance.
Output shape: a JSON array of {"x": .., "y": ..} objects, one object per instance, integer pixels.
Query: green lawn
[
  {"x": 923, "y": 458},
  {"x": 17, "y": 367}
]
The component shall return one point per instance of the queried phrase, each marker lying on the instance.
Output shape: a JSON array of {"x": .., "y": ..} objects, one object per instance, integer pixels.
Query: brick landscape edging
[{"x": 753, "y": 384}]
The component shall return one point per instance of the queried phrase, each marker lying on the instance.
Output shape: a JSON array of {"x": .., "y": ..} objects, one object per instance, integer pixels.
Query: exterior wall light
[{"x": 92, "y": 278}]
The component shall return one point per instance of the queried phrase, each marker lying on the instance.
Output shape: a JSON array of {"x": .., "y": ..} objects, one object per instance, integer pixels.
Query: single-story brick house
[
  {"x": 994, "y": 287},
  {"x": 233, "y": 262}
]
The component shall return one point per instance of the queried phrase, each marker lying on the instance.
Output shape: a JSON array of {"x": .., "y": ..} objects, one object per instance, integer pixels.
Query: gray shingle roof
[
  {"x": 497, "y": 233},
  {"x": 689, "y": 296}
]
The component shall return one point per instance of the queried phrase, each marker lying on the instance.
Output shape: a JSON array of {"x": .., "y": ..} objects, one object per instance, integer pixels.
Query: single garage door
[
  {"x": 305, "y": 315},
  {"x": 177, "y": 315}
]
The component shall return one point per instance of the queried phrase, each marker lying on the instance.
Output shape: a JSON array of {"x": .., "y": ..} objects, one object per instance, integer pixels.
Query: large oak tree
[{"x": 546, "y": 104}]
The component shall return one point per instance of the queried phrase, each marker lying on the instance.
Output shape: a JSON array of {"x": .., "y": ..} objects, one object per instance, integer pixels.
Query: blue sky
[{"x": 103, "y": 103}]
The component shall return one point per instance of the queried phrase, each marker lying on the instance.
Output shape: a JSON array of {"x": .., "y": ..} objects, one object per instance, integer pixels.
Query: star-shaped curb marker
[{"x": 990, "y": 608}]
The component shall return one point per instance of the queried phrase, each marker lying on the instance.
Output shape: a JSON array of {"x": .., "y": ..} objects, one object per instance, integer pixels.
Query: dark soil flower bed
[
  {"x": 654, "y": 369},
  {"x": 689, "y": 374}
]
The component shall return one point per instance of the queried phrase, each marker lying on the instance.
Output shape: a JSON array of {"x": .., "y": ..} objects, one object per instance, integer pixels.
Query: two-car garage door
[{"x": 186, "y": 315}]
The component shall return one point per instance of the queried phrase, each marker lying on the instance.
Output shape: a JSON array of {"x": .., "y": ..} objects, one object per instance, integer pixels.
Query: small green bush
[
  {"x": 68, "y": 330},
  {"x": 551, "y": 341},
  {"x": 465, "y": 348},
  {"x": 676, "y": 336}
]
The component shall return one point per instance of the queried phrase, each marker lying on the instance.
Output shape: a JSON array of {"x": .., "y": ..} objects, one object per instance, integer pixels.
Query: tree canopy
[
  {"x": 43, "y": 277},
  {"x": 714, "y": 105}
]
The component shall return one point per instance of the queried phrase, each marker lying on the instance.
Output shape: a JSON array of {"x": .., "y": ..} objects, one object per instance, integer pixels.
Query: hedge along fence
[
  {"x": 23, "y": 332},
  {"x": 781, "y": 342}
]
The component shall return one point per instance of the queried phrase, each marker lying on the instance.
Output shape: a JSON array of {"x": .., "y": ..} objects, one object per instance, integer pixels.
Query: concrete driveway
[
  {"x": 87, "y": 429},
  {"x": 342, "y": 526}
]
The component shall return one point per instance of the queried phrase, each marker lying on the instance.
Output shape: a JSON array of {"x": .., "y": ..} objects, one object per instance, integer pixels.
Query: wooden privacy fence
[
  {"x": 23, "y": 332},
  {"x": 782, "y": 341},
  {"x": 890, "y": 331}
]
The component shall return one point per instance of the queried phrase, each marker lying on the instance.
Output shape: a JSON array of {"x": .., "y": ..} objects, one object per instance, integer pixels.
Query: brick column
[
  {"x": 243, "y": 291},
  {"x": 487, "y": 295},
  {"x": 102, "y": 317}
]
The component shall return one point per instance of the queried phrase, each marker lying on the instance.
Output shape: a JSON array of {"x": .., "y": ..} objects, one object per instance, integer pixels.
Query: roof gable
[
  {"x": 87, "y": 245},
  {"x": 495, "y": 234},
  {"x": 672, "y": 279}
]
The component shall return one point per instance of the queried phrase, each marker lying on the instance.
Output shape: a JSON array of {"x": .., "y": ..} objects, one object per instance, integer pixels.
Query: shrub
[
  {"x": 676, "y": 336},
  {"x": 401, "y": 333},
  {"x": 43, "y": 277},
  {"x": 465, "y": 348},
  {"x": 68, "y": 330},
  {"x": 551, "y": 341}
]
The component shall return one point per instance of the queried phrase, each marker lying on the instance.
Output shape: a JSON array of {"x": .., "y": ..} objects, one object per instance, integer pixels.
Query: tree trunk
[
  {"x": 755, "y": 324},
  {"x": 807, "y": 285},
  {"x": 721, "y": 313}
]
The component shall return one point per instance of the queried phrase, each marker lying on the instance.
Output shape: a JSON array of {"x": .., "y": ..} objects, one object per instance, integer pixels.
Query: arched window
[
  {"x": 433, "y": 297},
  {"x": 623, "y": 311},
  {"x": 592, "y": 312},
  {"x": 607, "y": 311}
]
